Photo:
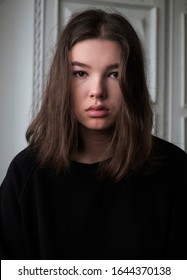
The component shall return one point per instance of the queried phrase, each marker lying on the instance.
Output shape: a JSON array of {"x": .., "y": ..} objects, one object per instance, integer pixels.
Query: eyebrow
[{"x": 111, "y": 66}]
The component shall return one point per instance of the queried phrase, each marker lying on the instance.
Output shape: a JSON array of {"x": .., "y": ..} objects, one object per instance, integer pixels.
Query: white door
[{"x": 178, "y": 74}]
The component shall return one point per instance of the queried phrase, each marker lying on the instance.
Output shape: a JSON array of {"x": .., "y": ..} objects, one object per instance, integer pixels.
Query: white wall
[{"x": 16, "y": 75}]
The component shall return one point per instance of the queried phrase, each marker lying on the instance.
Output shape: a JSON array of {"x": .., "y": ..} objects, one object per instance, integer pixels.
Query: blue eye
[{"x": 79, "y": 74}]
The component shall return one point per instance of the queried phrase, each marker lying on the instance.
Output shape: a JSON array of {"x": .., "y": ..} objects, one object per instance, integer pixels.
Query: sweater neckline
[{"x": 84, "y": 166}]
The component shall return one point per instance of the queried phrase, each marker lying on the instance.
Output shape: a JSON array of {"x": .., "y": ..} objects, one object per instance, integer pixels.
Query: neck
[{"x": 94, "y": 146}]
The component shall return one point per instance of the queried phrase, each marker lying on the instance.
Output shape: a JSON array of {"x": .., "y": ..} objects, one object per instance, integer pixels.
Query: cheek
[
  {"x": 113, "y": 89},
  {"x": 75, "y": 96},
  {"x": 79, "y": 94},
  {"x": 116, "y": 95},
  {"x": 118, "y": 102},
  {"x": 77, "y": 103},
  {"x": 73, "y": 100}
]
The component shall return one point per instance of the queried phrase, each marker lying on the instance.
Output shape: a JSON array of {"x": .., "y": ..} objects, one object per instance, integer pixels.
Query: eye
[
  {"x": 79, "y": 74},
  {"x": 113, "y": 75}
]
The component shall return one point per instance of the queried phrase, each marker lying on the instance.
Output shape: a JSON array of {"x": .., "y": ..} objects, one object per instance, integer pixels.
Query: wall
[{"x": 16, "y": 76}]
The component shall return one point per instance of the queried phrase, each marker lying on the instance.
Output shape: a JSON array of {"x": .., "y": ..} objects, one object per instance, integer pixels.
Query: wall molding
[
  {"x": 147, "y": 3},
  {"x": 169, "y": 11},
  {"x": 38, "y": 54}
]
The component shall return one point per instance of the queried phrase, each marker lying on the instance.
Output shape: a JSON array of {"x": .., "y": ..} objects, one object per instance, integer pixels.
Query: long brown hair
[{"x": 54, "y": 133}]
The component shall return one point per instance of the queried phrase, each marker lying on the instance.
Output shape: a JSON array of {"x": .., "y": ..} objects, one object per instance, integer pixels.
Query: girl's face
[{"x": 95, "y": 89}]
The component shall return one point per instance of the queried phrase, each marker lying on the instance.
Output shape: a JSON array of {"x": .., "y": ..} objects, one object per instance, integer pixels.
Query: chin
[
  {"x": 97, "y": 125},
  {"x": 100, "y": 128}
]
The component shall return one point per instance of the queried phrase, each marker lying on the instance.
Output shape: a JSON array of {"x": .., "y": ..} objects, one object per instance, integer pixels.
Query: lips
[
  {"x": 97, "y": 111},
  {"x": 97, "y": 107}
]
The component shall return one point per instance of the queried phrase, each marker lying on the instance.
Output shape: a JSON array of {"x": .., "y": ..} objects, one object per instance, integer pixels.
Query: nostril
[{"x": 98, "y": 94}]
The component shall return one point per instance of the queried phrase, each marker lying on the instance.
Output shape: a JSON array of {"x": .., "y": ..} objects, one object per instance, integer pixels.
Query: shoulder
[
  {"x": 20, "y": 169},
  {"x": 169, "y": 150},
  {"x": 24, "y": 161},
  {"x": 171, "y": 156}
]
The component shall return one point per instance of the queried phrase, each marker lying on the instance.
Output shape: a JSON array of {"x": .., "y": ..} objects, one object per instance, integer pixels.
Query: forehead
[{"x": 96, "y": 50}]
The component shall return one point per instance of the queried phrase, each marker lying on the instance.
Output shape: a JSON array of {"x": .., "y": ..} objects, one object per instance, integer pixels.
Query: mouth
[
  {"x": 97, "y": 108},
  {"x": 97, "y": 111}
]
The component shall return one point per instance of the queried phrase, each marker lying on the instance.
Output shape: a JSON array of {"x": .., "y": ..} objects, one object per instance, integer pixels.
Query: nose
[{"x": 98, "y": 89}]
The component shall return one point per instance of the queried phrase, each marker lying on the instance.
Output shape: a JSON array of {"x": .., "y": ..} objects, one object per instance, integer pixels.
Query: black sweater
[{"x": 72, "y": 216}]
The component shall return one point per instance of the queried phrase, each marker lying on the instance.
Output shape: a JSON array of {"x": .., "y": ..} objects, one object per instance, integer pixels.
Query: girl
[{"x": 94, "y": 183}]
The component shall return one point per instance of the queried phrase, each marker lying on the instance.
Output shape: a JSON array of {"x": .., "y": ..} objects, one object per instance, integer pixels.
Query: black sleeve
[
  {"x": 12, "y": 243},
  {"x": 177, "y": 239}
]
